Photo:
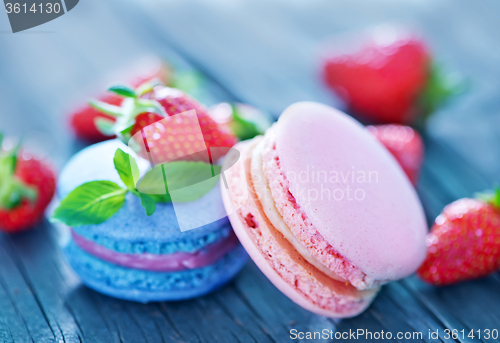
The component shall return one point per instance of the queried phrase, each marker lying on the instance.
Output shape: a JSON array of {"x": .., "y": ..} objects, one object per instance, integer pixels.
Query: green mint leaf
[
  {"x": 105, "y": 126},
  {"x": 153, "y": 182},
  {"x": 91, "y": 203},
  {"x": 101, "y": 106},
  {"x": 189, "y": 180},
  {"x": 127, "y": 168},
  {"x": 161, "y": 197},
  {"x": 148, "y": 202},
  {"x": 123, "y": 91},
  {"x": 181, "y": 174}
]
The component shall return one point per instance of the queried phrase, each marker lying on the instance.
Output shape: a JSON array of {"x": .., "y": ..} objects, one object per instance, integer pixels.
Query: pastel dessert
[
  {"x": 324, "y": 210},
  {"x": 145, "y": 258}
]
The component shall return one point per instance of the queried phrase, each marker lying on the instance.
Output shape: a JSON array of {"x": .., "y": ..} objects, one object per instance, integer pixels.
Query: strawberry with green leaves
[
  {"x": 464, "y": 242},
  {"x": 169, "y": 122},
  {"x": 389, "y": 78},
  {"x": 27, "y": 186},
  {"x": 95, "y": 202},
  {"x": 83, "y": 120}
]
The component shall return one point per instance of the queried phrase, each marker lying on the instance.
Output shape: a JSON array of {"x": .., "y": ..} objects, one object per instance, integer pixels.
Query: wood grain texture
[{"x": 265, "y": 54}]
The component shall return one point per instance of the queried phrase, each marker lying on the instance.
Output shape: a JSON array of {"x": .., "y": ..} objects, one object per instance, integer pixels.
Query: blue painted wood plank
[
  {"x": 20, "y": 292},
  {"x": 267, "y": 58}
]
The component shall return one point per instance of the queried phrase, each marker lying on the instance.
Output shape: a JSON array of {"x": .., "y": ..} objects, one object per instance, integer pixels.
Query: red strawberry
[
  {"x": 175, "y": 101},
  {"x": 83, "y": 120},
  {"x": 144, "y": 119},
  {"x": 27, "y": 187},
  {"x": 175, "y": 137},
  {"x": 389, "y": 78},
  {"x": 405, "y": 144},
  {"x": 464, "y": 242}
]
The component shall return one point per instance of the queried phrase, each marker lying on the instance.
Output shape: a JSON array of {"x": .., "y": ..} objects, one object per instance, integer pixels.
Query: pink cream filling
[
  {"x": 160, "y": 263},
  {"x": 301, "y": 226}
]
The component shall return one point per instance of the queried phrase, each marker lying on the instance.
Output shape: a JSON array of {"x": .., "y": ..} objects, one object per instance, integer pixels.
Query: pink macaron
[{"x": 324, "y": 210}]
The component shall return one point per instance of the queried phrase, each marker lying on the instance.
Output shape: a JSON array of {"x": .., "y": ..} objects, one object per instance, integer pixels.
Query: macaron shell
[
  {"x": 277, "y": 258},
  {"x": 383, "y": 234},
  {"x": 299, "y": 224},
  {"x": 131, "y": 223},
  {"x": 148, "y": 286}
]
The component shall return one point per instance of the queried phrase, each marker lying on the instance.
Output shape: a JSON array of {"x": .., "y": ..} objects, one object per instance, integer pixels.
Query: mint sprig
[
  {"x": 96, "y": 201},
  {"x": 127, "y": 168}
]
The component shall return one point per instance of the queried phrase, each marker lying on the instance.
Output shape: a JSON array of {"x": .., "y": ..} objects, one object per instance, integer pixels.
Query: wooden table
[{"x": 261, "y": 53}]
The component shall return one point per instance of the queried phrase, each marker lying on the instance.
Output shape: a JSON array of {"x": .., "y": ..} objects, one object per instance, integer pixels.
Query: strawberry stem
[
  {"x": 105, "y": 126},
  {"x": 440, "y": 88},
  {"x": 12, "y": 189},
  {"x": 131, "y": 107},
  {"x": 147, "y": 87},
  {"x": 112, "y": 110},
  {"x": 490, "y": 197},
  {"x": 124, "y": 91}
]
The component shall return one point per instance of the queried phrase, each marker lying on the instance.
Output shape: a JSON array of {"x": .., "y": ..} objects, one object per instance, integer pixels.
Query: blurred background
[
  {"x": 264, "y": 53},
  {"x": 261, "y": 52}
]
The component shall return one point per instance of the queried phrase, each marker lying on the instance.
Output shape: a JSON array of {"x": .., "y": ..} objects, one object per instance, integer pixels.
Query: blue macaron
[{"x": 144, "y": 258}]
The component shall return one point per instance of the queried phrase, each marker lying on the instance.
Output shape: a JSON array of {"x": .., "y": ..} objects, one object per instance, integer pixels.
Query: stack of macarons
[
  {"x": 324, "y": 210},
  {"x": 145, "y": 258}
]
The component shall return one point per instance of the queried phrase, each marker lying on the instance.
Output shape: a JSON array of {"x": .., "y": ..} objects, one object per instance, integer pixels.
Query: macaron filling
[
  {"x": 302, "y": 233},
  {"x": 176, "y": 261},
  {"x": 261, "y": 187}
]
